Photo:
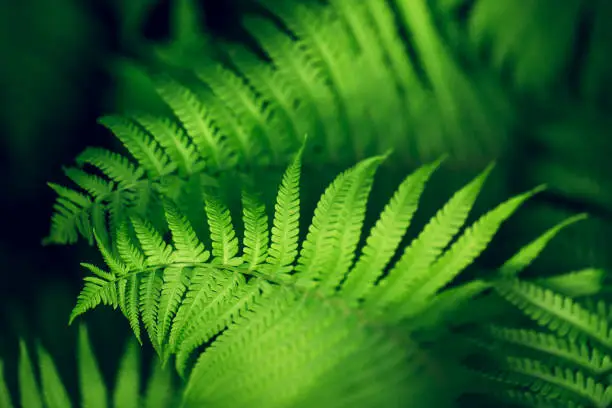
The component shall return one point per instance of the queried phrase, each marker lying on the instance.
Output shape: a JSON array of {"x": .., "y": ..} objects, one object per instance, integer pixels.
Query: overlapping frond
[
  {"x": 346, "y": 79},
  {"x": 247, "y": 298},
  {"x": 568, "y": 364}
]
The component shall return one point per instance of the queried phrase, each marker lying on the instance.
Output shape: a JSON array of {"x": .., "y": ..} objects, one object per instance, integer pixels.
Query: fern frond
[
  {"x": 175, "y": 283},
  {"x": 556, "y": 312},
  {"x": 217, "y": 308},
  {"x": 329, "y": 248},
  {"x": 528, "y": 253},
  {"x": 149, "y": 294},
  {"x": 250, "y": 108},
  {"x": 196, "y": 121},
  {"x": 189, "y": 249},
  {"x": 533, "y": 399},
  {"x": 584, "y": 282},
  {"x": 156, "y": 250},
  {"x": 115, "y": 166},
  {"x": 131, "y": 255},
  {"x": 95, "y": 291},
  {"x": 304, "y": 332},
  {"x": 285, "y": 227},
  {"x": 294, "y": 68},
  {"x": 75, "y": 213},
  {"x": 145, "y": 149},
  {"x": 558, "y": 381},
  {"x": 430, "y": 243},
  {"x": 186, "y": 298},
  {"x": 473, "y": 241},
  {"x": 579, "y": 354},
  {"x": 175, "y": 142},
  {"x": 270, "y": 84},
  {"x": 222, "y": 233},
  {"x": 572, "y": 363},
  {"x": 256, "y": 234},
  {"x": 98, "y": 187},
  {"x": 327, "y": 44},
  {"x": 128, "y": 298},
  {"x": 70, "y": 216},
  {"x": 387, "y": 233}
]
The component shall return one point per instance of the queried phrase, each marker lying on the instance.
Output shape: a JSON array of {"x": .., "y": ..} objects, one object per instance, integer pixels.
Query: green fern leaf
[
  {"x": 113, "y": 165},
  {"x": 579, "y": 354},
  {"x": 245, "y": 104},
  {"x": 415, "y": 261},
  {"x": 158, "y": 393},
  {"x": 175, "y": 142},
  {"x": 98, "y": 187},
  {"x": 328, "y": 251},
  {"x": 256, "y": 236},
  {"x": 556, "y": 312},
  {"x": 53, "y": 390},
  {"x": 285, "y": 227},
  {"x": 175, "y": 283},
  {"x": 115, "y": 264},
  {"x": 69, "y": 216},
  {"x": 231, "y": 297},
  {"x": 279, "y": 94},
  {"x": 569, "y": 381},
  {"x": 188, "y": 247},
  {"x": 528, "y": 253},
  {"x": 133, "y": 258},
  {"x": 28, "y": 389},
  {"x": 150, "y": 292},
  {"x": 295, "y": 68},
  {"x": 95, "y": 291},
  {"x": 126, "y": 393},
  {"x": 473, "y": 241},
  {"x": 387, "y": 234},
  {"x": 128, "y": 292},
  {"x": 5, "y": 396},
  {"x": 584, "y": 282},
  {"x": 195, "y": 119},
  {"x": 146, "y": 150},
  {"x": 91, "y": 382},
  {"x": 156, "y": 250},
  {"x": 222, "y": 233}
]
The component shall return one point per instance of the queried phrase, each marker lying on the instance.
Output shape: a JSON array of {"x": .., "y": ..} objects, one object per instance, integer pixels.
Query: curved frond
[
  {"x": 556, "y": 312},
  {"x": 247, "y": 293}
]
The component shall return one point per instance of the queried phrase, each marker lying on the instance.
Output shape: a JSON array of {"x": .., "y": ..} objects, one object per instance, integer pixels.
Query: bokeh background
[{"x": 64, "y": 63}]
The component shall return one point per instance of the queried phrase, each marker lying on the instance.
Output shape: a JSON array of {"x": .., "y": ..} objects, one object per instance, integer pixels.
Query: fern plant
[
  {"x": 50, "y": 391},
  {"x": 566, "y": 365},
  {"x": 242, "y": 110},
  {"x": 274, "y": 310},
  {"x": 292, "y": 316}
]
